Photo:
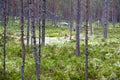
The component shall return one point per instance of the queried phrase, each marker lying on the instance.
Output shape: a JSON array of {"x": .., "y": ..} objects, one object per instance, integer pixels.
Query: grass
[{"x": 58, "y": 61}]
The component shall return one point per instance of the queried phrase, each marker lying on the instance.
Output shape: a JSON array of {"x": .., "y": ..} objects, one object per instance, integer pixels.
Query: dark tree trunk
[
  {"x": 22, "y": 39},
  {"x": 36, "y": 56},
  {"x": 43, "y": 22},
  {"x": 4, "y": 65},
  {"x": 86, "y": 41},
  {"x": 39, "y": 25},
  {"x": 77, "y": 28}
]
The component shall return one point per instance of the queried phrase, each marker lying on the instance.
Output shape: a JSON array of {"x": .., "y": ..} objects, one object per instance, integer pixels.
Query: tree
[
  {"x": 4, "y": 46},
  {"x": 77, "y": 28},
  {"x": 86, "y": 41},
  {"x": 91, "y": 31},
  {"x": 36, "y": 56},
  {"x": 28, "y": 22},
  {"x": 13, "y": 6},
  {"x": 22, "y": 39},
  {"x": 43, "y": 21},
  {"x": 114, "y": 7},
  {"x": 39, "y": 25},
  {"x": 105, "y": 18},
  {"x": 70, "y": 18}
]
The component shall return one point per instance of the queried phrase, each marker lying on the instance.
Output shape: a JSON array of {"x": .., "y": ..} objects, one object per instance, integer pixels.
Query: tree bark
[
  {"x": 28, "y": 22},
  {"x": 43, "y": 22},
  {"x": 91, "y": 29},
  {"x": 39, "y": 26},
  {"x": 77, "y": 28},
  {"x": 4, "y": 46},
  {"x": 105, "y": 18},
  {"x": 71, "y": 10},
  {"x": 36, "y": 56},
  {"x": 22, "y": 39},
  {"x": 86, "y": 41},
  {"x": 114, "y": 12}
]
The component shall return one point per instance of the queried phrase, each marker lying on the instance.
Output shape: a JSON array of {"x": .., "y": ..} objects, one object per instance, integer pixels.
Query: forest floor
[
  {"x": 58, "y": 61},
  {"x": 57, "y": 40}
]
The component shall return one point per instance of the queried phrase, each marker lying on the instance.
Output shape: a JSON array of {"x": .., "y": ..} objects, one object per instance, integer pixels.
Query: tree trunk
[
  {"x": 39, "y": 25},
  {"x": 28, "y": 22},
  {"x": 86, "y": 41},
  {"x": 43, "y": 22},
  {"x": 91, "y": 31},
  {"x": 22, "y": 39},
  {"x": 77, "y": 28},
  {"x": 4, "y": 46},
  {"x": 105, "y": 18},
  {"x": 36, "y": 56},
  {"x": 71, "y": 24},
  {"x": 114, "y": 12}
]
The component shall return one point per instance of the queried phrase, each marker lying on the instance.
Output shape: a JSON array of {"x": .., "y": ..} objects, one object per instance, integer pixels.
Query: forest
[{"x": 59, "y": 39}]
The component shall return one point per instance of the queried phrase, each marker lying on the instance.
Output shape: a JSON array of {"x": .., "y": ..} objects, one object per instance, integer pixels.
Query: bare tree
[
  {"x": 36, "y": 56},
  {"x": 86, "y": 40},
  {"x": 77, "y": 28},
  {"x": 4, "y": 46},
  {"x": 22, "y": 39}
]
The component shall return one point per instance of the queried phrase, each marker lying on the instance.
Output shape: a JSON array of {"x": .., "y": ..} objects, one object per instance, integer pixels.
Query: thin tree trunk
[
  {"x": 86, "y": 41},
  {"x": 71, "y": 10},
  {"x": 43, "y": 22},
  {"x": 114, "y": 12},
  {"x": 28, "y": 26},
  {"x": 77, "y": 28},
  {"x": 39, "y": 26},
  {"x": 91, "y": 31},
  {"x": 4, "y": 65},
  {"x": 36, "y": 56},
  {"x": 105, "y": 18},
  {"x": 13, "y": 11},
  {"x": 22, "y": 40}
]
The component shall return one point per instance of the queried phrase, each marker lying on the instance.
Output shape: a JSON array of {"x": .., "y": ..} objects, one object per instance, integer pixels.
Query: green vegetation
[{"x": 58, "y": 61}]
